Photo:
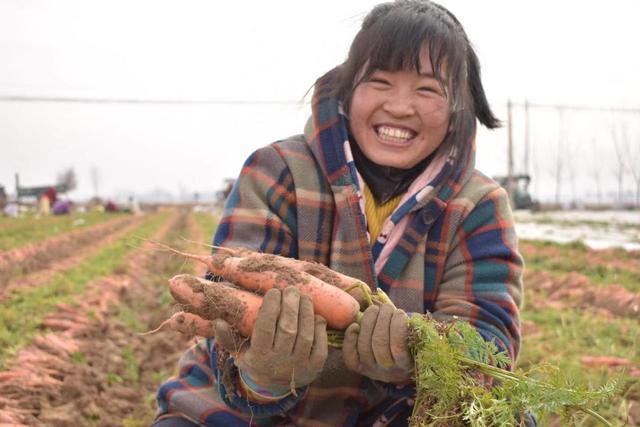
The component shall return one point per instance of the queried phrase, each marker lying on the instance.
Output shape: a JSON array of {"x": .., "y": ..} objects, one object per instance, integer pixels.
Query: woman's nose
[{"x": 399, "y": 104}]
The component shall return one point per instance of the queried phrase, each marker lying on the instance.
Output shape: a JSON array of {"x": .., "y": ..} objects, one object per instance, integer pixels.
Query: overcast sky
[{"x": 568, "y": 52}]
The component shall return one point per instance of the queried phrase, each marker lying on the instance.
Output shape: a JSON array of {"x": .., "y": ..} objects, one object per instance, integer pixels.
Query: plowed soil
[
  {"x": 42, "y": 255},
  {"x": 89, "y": 366}
]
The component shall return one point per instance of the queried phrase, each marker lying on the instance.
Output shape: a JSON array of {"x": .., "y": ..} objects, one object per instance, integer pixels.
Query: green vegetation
[
  {"x": 561, "y": 338},
  {"x": 208, "y": 223},
  {"x": 22, "y": 312},
  {"x": 449, "y": 393},
  {"x": 16, "y": 232},
  {"x": 132, "y": 363},
  {"x": 561, "y": 259},
  {"x": 165, "y": 266}
]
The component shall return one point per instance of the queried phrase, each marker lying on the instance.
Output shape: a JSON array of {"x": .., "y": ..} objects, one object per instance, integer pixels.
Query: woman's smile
[{"x": 394, "y": 135}]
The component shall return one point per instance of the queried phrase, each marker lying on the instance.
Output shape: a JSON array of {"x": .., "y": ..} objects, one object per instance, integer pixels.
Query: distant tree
[
  {"x": 557, "y": 167},
  {"x": 95, "y": 180},
  {"x": 597, "y": 171},
  {"x": 633, "y": 164},
  {"x": 619, "y": 170},
  {"x": 67, "y": 178}
]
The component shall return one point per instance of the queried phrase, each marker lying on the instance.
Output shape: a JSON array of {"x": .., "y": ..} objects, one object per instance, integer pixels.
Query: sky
[{"x": 251, "y": 64}]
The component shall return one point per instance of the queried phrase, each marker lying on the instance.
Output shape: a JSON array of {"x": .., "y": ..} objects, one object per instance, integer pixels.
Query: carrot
[
  {"x": 351, "y": 285},
  {"x": 186, "y": 323},
  {"x": 336, "y": 306},
  {"x": 348, "y": 284},
  {"x": 260, "y": 273},
  {"x": 217, "y": 300}
]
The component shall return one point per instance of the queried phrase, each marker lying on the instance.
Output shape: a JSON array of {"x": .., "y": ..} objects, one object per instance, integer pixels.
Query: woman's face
[{"x": 399, "y": 117}]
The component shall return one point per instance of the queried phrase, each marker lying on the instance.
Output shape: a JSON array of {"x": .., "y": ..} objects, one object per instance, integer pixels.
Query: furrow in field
[
  {"x": 25, "y": 231},
  {"x": 197, "y": 234},
  {"x": 589, "y": 332},
  {"x": 602, "y": 267},
  {"x": 106, "y": 373},
  {"x": 69, "y": 257},
  {"x": 577, "y": 291},
  {"x": 69, "y": 375},
  {"x": 39, "y": 256}
]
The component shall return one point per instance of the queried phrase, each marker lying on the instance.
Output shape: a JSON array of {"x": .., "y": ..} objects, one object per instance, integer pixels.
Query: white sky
[{"x": 570, "y": 52}]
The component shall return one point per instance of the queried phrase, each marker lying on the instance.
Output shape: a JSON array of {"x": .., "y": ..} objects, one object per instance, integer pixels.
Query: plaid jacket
[{"x": 298, "y": 197}]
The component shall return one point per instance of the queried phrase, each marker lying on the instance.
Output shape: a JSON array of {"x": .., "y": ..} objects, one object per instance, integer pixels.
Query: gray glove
[
  {"x": 288, "y": 346},
  {"x": 377, "y": 347}
]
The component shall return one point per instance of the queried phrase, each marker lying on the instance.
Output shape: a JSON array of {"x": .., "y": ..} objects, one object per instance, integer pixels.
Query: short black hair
[{"x": 392, "y": 37}]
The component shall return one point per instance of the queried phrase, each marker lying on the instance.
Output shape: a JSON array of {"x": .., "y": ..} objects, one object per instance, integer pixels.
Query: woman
[{"x": 382, "y": 187}]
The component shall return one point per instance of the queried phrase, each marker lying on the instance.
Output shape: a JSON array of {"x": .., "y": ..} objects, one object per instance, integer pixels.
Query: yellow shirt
[{"x": 376, "y": 212}]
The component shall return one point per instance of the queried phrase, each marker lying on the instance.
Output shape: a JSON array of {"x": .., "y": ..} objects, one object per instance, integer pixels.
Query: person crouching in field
[{"x": 382, "y": 187}]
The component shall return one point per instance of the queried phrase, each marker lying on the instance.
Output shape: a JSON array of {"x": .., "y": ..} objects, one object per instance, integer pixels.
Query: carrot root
[{"x": 186, "y": 323}]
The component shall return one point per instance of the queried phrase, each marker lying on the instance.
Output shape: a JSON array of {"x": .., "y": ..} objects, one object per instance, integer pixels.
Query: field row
[
  {"x": 581, "y": 316},
  {"x": 71, "y": 353}
]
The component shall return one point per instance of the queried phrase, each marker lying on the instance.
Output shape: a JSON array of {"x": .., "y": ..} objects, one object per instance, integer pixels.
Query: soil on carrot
[
  {"x": 89, "y": 367},
  {"x": 220, "y": 301},
  {"x": 283, "y": 275}
]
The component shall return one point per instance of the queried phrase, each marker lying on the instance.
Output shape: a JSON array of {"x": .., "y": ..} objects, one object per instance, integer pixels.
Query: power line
[
  {"x": 564, "y": 107},
  {"x": 90, "y": 100},
  {"x": 94, "y": 100}
]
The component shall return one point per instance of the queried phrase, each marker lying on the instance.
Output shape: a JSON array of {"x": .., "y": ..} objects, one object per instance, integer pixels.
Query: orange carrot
[
  {"x": 217, "y": 300},
  {"x": 348, "y": 284},
  {"x": 336, "y": 306},
  {"x": 186, "y": 323},
  {"x": 354, "y": 287}
]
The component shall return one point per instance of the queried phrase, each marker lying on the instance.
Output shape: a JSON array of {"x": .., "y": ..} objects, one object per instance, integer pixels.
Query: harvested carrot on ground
[
  {"x": 216, "y": 300},
  {"x": 260, "y": 274}
]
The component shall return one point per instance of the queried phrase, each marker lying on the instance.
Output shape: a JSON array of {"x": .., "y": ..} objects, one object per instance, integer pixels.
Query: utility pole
[
  {"x": 526, "y": 137},
  {"x": 510, "y": 182}
]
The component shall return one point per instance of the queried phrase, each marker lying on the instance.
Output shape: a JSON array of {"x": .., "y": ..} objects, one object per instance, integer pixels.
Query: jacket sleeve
[
  {"x": 259, "y": 214},
  {"x": 482, "y": 278}
]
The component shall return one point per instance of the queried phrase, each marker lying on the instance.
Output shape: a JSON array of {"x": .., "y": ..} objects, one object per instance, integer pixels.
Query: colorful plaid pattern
[{"x": 456, "y": 256}]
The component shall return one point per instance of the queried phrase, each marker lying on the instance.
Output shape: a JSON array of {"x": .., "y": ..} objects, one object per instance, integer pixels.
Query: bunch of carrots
[{"x": 444, "y": 354}]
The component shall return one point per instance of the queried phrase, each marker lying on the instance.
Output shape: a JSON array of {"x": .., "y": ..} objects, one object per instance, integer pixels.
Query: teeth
[{"x": 395, "y": 134}]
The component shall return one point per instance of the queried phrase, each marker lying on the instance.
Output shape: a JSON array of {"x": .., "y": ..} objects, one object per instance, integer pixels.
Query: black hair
[{"x": 392, "y": 37}]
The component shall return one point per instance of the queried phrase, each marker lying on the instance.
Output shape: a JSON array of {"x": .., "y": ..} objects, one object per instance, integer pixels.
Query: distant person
[
  {"x": 61, "y": 207},
  {"x": 3, "y": 198},
  {"x": 44, "y": 205},
  {"x": 12, "y": 210},
  {"x": 134, "y": 206},
  {"x": 110, "y": 206},
  {"x": 381, "y": 186},
  {"x": 52, "y": 195}
]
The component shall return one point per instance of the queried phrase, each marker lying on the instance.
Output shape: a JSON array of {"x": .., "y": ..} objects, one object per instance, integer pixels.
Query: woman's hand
[
  {"x": 288, "y": 346},
  {"x": 377, "y": 347}
]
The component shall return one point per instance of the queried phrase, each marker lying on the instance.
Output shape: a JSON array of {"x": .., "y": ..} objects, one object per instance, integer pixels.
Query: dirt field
[
  {"x": 83, "y": 362},
  {"x": 72, "y": 305}
]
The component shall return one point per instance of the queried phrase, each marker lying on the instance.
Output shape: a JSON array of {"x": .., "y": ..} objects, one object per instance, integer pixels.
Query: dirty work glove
[
  {"x": 288, "y": 346},
  {"x": 377, "y": 347}
]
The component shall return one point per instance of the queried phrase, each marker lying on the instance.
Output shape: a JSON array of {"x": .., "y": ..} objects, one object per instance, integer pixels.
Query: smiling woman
[{"x": 381, "y": 187}]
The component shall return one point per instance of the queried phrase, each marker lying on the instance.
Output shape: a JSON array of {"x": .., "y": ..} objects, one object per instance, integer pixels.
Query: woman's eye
[
  {"x": 378, "y": 81},
  {"x": 428, "y": 89}
]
